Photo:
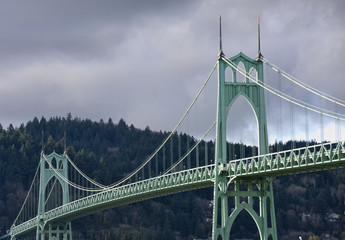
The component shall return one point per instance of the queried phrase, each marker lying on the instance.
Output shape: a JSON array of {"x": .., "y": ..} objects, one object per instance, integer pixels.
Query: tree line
[{"x": 105, "y": 151}]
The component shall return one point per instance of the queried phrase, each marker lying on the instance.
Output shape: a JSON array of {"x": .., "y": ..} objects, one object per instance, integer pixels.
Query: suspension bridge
[{"x": 61, "y": 192}]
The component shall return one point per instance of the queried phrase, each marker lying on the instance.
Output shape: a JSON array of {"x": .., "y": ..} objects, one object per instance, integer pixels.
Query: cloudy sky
[{"x": 144, "y": 61}]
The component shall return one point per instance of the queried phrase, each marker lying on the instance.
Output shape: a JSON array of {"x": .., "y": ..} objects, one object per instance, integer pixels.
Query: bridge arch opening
[
  {"x": 53, "y": 194},
  {"x": 239, "y": 76},
  {"x": 253, "y": 74},
  {"x": 60, "y": 165},
  {"x": 242, "y": 129},
  {"x": 244, "y": 227},
  {"x": 54, "y": 164},
  {"x": 219, "y": 220},
  {"x": 229, "y": 74},
  {"x": 268, "y": 209}
]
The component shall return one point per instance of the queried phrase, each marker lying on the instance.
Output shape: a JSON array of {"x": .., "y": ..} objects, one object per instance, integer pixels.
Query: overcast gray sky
[{"x": 144, "y": 61}]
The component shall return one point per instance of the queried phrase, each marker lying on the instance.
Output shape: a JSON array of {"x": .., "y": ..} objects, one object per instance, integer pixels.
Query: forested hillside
[{"x": 305, "y": 204}]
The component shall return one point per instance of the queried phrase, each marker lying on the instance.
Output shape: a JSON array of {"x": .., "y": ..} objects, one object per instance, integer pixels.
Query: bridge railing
[
  {"x": 24, "y": 227},
  {"x": 125, "y": 194},
  {"x": 311, "y": 158},
  {"x": 315, "y": 157},
  {"x": 137, "y": 191}
]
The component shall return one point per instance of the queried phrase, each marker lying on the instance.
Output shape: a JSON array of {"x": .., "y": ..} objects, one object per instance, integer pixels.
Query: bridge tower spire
[
  {"x": 49, "y": 167},
  {"x": 259, "y": 56},
  {"x": 232, "y": 195}
]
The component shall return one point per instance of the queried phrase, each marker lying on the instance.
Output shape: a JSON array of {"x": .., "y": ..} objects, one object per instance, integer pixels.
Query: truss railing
[
  {"x": 312, "y": 158},
  {"x": 158, "y": 186},
  {"x": 307, "y": 159}
]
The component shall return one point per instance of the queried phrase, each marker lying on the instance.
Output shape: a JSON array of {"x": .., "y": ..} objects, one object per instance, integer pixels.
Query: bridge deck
[
  {"x": 308, "y": 159},
  {"x": 155, "y": 187}
]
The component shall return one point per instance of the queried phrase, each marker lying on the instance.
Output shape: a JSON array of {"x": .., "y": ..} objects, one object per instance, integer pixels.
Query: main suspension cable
[
  {"x": 190, "y": 150},
  {"x": 69, "y": 182},
  {"x": 169, "y": 136},
  {"x": 27, "y": 196},
  {"x": 83, "y": 174},
  {"x": 304, "y": 85},
  {"x": 142, "y": 165},
  {"x": 285, "y": 96}
]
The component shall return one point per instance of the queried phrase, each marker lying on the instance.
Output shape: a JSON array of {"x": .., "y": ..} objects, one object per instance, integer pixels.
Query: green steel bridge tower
[
  {"x": 246, "y": 190},
  {"x": 55, "y": 167}
]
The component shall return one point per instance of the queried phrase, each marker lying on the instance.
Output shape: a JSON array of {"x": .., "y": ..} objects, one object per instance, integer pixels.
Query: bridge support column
[
  {"x": 234, "y": 194},
  {"x": 55, "y": 231},
  {"x": 254, "y": 196},
  {"x": 53, "y": 169}
]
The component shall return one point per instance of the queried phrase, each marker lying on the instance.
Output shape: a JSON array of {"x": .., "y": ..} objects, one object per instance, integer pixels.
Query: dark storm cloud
[
  {"x": 144, "y": 61},
  {"x": 77, "y": 29}
]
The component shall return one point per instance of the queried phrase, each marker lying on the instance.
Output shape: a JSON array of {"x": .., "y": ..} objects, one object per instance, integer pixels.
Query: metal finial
[
  {"x": 259, "y": 56},
  {"x": 64, "y": 141},
  {"x": 220, "y": 32},
  {"x": 42, "y": 140},
  {"x": 221, "y": 54}
]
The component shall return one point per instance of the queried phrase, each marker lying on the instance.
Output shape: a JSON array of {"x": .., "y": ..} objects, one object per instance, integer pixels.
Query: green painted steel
[
  {"x": 60, "y": 164},
  {"x": 228, "y": 92},
  {"x": 6, "y": 236},
  {"x": 264, "y": 167},
  {"x": 311, "y": 158},
  {"x": 163, "y": 185},
  {"x": 246, "y": 182}
]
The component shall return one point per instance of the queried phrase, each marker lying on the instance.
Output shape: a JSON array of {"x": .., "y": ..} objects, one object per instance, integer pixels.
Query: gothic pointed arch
[
  {"x": 241, "y": 210},
  {"x": 228, "y": 94}
]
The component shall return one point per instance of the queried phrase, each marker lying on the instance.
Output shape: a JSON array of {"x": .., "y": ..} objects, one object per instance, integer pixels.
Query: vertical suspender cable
[
  {"x": 179, "y": 149},
  {"x": 337, "y": 128},
  {"x": 253, "y": 123},
  {"x": 83, "y": 184},
  {"x": 79, "y": 183},
  {"x": 197, "y": 156},
  {"x": 306, "y": 115},
  {"x": 157, "y": 165},
  {"x": 292, "y": 120},
  {"x": 322, "y": 128},
  {"x": 143, "y": 173},
  {"x": 188, "y": 157},
  {"x": 171, "y": 151},
  {"x": 205, "y": 117},
  {"x": 28, "y": 208},
  {"x": 206, "y": 153},
  {"x": 86, "y": 186},
  {"x": 241, "y": 146},
  {"x": 164, "y": 159},
  {"x": 75, "y": 180},
  {"x": 280, "y": 114},
  {"x": 33, "y": 208},
  {"x": 30, "y": 205},
  {"x": 292, "y": 125},
  {"x": 322, "y": 134}
]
